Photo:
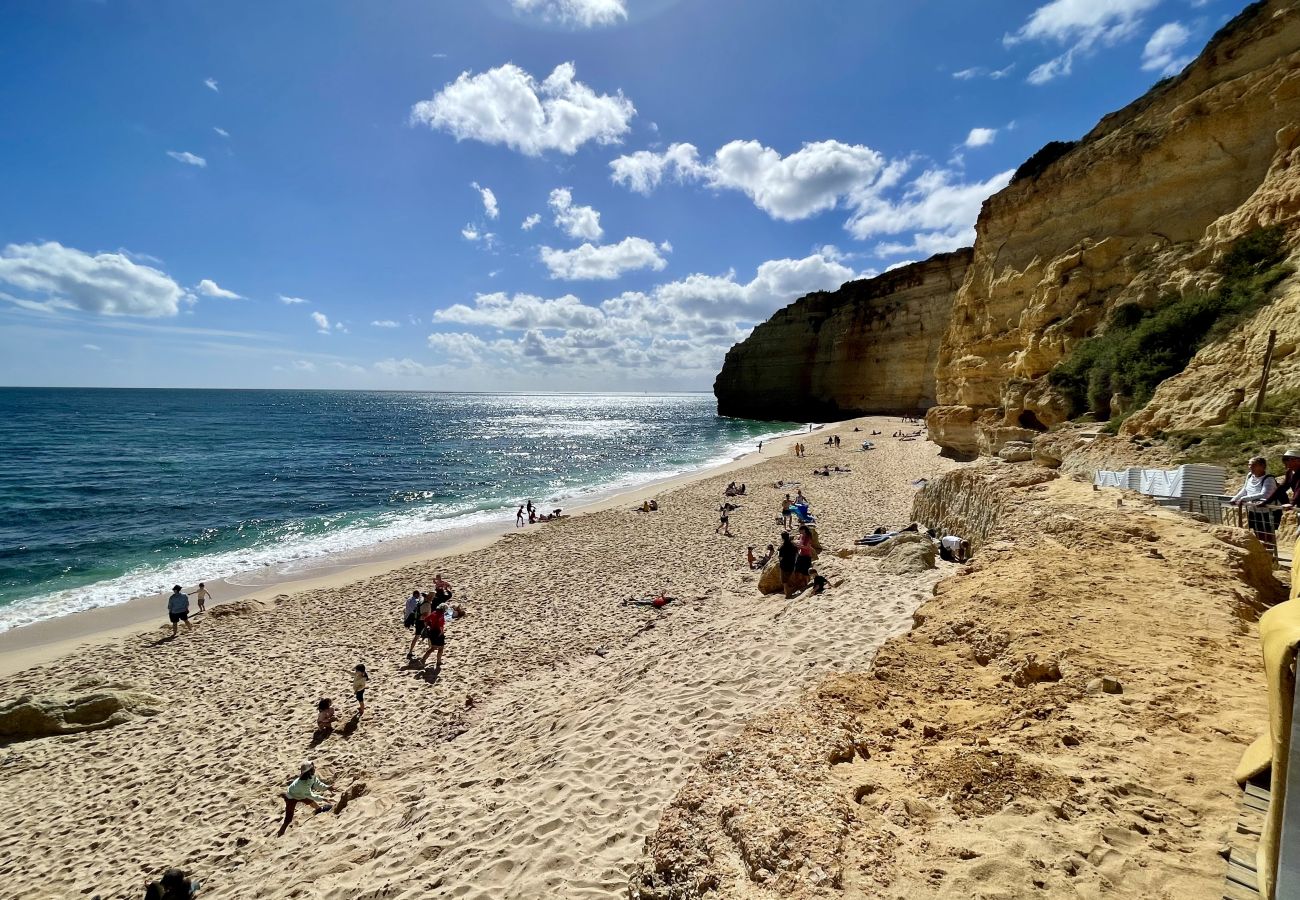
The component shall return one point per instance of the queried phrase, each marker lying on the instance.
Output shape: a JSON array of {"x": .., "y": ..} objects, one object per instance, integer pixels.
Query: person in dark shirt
[
  {"x": 788, "y": 554},
  {"x": 818, "y": 581},
  {"x": 1289, "y": 482}
]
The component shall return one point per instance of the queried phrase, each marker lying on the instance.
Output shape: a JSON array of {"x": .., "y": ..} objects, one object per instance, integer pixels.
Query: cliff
[
  {"x": 869, "y": 347},
  {"x": 1138, "y": 211}
]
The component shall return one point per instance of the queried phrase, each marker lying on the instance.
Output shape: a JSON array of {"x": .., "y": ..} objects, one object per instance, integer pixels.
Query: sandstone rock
[
  {"x": 769, "y": 582},
  {"x": 905, "y": 553},
  {"x": 1016, "y": 451},
  {"x": 1105, "y": 685},
  {"x": 870, "y": 346},
  {"x": 30, "y": 717}
]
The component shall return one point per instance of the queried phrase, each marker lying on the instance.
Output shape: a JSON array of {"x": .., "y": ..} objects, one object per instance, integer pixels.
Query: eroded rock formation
[
  {"x": 1139, "y": 209},
  {"x": 869, "y": 347}
]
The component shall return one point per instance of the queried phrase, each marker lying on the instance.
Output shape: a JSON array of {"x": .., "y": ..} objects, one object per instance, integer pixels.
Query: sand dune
[{"x": 534, "y": 766}]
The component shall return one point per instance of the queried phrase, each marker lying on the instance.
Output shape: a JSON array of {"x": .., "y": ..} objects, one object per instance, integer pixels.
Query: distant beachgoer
[
  {"x": 421, "y": 613},
  {"x": 803, "y": 564},
  {"x": 304, "y": 789},
  {"x": 818, "y": 581},
  {"x": 360, "y": 678},
  {"x": 178, "y": 609},
  {"x": 788, "y": 554},
  {"x": 752, "y": 558},
  {"x": 740, "y": 491},
  {"x": 799, "y": 497},
  {"x": 409, "y": 610},
  {"x": 724, "y": 520},
  {"x": 326, "y": 714},
  {"x": 174, "y": 885},
  {"x": 837, "y": 442},
  {"x": 203, "y": 595},
  {"x": 435, "y": 627},
  {"x": 760, "y": 446},
  {"x": 519, "y": 518},
  {"x": 654, "y": 506},
  {"x": 532, "y": 512},
  {"x": 954, "y": 549},
  {"x": 787, "y": 506}
]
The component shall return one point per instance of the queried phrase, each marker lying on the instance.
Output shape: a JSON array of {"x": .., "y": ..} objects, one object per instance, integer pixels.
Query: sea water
[{"x": 111, "y": 494}]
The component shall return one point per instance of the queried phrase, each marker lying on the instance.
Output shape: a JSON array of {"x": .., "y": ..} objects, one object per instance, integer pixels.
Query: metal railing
[{"x": 1276, "y": 528}]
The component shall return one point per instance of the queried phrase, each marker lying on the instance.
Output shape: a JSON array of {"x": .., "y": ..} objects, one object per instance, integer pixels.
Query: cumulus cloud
[
  {"x": 939, "y": 208},
  {"x": 817, "y": 177},
  {"x": 522, "y": 311},
  {"x": 51, "y": 276},
  {"x": 576, "y": 221},
  {"x": 291, "y": 301},
  {"x": 188, "y": 158},
  {"x": 1082, "y": 25},
  {"x": 489, "y": 200},
  {"x": 211, "y": 84},
  {"x": 589, "y": 262},
  {"x": 209, "y": 288},
  {"x": 577, "y": 13},
  {"x": 981, "y": 137},
  {"x": 530, "y": 223},
  {"x": 322, "y": 322},
  {"x": 506, "y": 105},
  {"x": 1161, "y": 53}
]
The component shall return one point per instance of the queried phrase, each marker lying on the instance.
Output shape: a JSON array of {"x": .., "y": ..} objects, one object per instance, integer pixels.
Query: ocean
[{"x": 109, "y": 494}]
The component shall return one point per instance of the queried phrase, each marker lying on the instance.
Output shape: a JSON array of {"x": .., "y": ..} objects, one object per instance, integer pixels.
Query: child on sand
[
  {"x": 326, "y": 714},
  {"x": 203, "y": 595},
  {"x": 303, "y": 789},
  {"x": 360, "y": 679}
]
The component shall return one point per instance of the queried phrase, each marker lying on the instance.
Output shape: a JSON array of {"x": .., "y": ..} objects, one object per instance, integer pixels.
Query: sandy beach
[{"x": 538, "y": 762}]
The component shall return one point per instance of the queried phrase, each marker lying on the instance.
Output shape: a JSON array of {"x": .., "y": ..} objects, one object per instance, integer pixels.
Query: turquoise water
[{"x": 112, "y": 494}]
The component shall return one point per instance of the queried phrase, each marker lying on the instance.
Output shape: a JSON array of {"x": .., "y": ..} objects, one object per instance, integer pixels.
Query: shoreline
[{"x": 49, "y": 639}]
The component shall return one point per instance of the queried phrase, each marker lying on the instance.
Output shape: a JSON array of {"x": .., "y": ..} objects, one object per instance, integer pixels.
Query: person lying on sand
[
  {"x": 303, "y": 789},
  {"x": 658, "y": 602},
  {"x": 326, "y": 714}
]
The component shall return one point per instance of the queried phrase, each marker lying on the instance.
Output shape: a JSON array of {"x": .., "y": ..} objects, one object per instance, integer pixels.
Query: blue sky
[{"x": 507, "y": 194}]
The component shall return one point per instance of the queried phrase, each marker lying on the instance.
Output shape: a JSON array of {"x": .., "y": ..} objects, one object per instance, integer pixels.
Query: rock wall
[
  {"x": 1138, "y": 209},
  {"x": 869, "y": 347}
]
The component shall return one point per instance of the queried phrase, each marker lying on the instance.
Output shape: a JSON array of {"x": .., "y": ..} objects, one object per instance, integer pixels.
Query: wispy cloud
[
  {"x": 190, "y": 159},
  {"x": 291, "y": 301},
  {"x": 211, "y": 84},
  {"x": 221, "y": 131}
]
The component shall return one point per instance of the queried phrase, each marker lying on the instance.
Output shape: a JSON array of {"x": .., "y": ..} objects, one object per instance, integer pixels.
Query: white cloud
[
  {"x": 304, "y": 365},
  {"x": 817, "y": 177},
  {"x": 92, "y": 347},
  {"x": 1081, "y": 24},
  {"x": 981, "y": 137},
  {"x": 385, "y": 323},
  {"x": 474, "y": 234},
  {"x": 489, "y": 200},
  {"x": 982, "y": 72},
  {"x": 209, "y": 288},
  {"x": 576, "y": 221},
  {"x": 291, "y": 301},
  {"x": 506, "y": 105},
  {"x": 530, "y": 223},
  {"x": 579, "y": 13},
  {"x": 322, "y": 322},
  {"x": 221, "y": 131},
  {"x": 52, "y": 276},
  {"x": 212, "y": 85},
  {"x": 602, "y": 261},
  {"x": 1161, "y": 52},
  {"x": 188, "y": 158},
  {"x": 522, "y": 311},
  {"x": 941, "y": 209}
]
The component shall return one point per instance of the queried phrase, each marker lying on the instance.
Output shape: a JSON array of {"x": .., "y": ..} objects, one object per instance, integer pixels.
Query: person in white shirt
[{"x": 1254, "y": 494}]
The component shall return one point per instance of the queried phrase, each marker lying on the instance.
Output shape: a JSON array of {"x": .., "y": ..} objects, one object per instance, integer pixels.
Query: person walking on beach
[
  {"x": 303, "y": 789},
  {"x": 410, "y": 610},
  {"x": 724, "y": 521},
  {"x": 519, "y": 518},
  {"x": 360, "y": 678},
  {"x": 786, "y": 505},
  {"x": 787, "y": 554},
  {"x": 203, "y": 595},
  {"x": 532, "y": 512},
  {"x": 421, "y": 613},
  {"x": 760, "y": 446},
  {"x": 435, "y": 629},
  {"x": 178, "y": 609}
]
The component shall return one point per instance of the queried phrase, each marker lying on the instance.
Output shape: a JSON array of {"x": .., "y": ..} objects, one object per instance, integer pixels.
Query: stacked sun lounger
[{"x": 1176, "y": 488}]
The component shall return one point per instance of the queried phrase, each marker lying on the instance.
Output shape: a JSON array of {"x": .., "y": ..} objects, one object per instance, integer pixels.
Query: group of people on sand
[
  {"x": 530, "y": 513},
  {"x": 833, "y": 441},
  {"x": 647, "y": 506},
  {"x": 825, "y": 471},
  {"x": 799, "y": 450},
  {"x": 1265, "y": 497},
  {"x": 734, "y": 490},
  {"x": 427, "y": 613},
  {"x": 178, "y": 605}
]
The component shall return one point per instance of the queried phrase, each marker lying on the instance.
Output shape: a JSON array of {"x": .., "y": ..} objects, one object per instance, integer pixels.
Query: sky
[{"x": 558, "y": 195}]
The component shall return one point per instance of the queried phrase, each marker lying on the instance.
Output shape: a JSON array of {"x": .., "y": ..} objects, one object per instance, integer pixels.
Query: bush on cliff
[
  {"x": 1139, "y": 348},
  {"x": 1244, "y": 435}
]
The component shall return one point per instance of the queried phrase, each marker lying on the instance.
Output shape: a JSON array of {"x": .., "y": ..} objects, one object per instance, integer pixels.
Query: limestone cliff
[
  {"x": 869, "y": 347},
  {"x": 1139, "y": 209}
]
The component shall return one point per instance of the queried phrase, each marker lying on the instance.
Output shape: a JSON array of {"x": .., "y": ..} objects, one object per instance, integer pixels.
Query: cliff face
[
  {"x": 870, "y": 346},
  {"x": 1138, "y": 210}
]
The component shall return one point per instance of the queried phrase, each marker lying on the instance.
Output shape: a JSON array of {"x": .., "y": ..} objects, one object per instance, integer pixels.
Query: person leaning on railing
[
  {"x": 1254, "y": 494},
  {"x": 1277, "y": 499}
]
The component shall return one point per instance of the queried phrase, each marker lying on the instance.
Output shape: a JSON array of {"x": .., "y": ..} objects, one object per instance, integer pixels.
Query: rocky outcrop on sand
[
  {"x": 869, "y": 347},
  {"x": 1063, "y": 721},
  {"x": 37, "y": 716},
  {"x": 1138, "y": 210}
]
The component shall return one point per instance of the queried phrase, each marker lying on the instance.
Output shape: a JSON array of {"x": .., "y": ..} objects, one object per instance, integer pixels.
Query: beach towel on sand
[{"x": 1279, "y": 633}]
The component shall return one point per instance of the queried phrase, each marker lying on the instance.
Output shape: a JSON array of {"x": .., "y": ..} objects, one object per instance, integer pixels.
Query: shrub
[{"x": 1139, "y": 348}]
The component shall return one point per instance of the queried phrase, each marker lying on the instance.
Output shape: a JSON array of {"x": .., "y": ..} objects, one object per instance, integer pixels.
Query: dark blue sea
[{"x": 111, "y": 494}]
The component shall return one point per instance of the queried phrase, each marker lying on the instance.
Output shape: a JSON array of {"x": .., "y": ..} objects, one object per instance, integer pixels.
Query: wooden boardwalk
[{"x": 1241, "y": 883}]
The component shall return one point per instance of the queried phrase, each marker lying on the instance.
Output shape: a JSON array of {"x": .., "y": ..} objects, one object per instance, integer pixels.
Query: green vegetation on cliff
[{"x": 1141, "y": 347}]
